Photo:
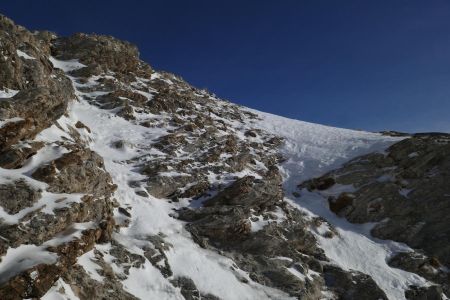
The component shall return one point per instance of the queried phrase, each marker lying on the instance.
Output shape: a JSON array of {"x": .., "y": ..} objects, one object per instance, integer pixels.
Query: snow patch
[
  {"x": 8, "y": 93},
  {"x": 11, "y": 120},
  {"x": 24, "y": 55},
  {"x": 412, "y": 155},
  {"x": 22, "y": 258},
  {"x": 60, "y": 291},
  {"x": 87, "y": 261},
  {"x": 66, "y": 65}
]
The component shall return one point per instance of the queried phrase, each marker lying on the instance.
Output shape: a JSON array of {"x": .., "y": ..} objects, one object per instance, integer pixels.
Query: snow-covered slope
[
  {"x": 140, "y": 186},
  {"x": 312, "y": 150},
  {"x": 152, "y": 216}
]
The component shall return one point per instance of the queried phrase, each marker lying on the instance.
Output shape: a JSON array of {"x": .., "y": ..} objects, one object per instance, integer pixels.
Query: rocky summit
[{"x": 118, "y": 181}]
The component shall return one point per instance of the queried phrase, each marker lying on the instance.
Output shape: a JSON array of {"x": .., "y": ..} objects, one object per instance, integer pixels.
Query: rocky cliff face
[{"x": 121, "y": 182}]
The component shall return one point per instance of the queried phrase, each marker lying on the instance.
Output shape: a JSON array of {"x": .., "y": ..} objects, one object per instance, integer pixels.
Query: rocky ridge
[
  {"x": 74, "y": 192},
  {"x": 405, "y": 191}
]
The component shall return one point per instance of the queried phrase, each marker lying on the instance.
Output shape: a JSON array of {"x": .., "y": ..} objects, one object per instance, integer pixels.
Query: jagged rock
[
  {"x": 39, "y": 227},
  {"x": 15, "y": 157},
  {"x": 189, "y": 289},
  {"x": 124, "y": 212},
  {"x": 169, "y": 101},
  {"x": 121, "y": 98},
  {"x": 43, "y": 91},
  {"x": 251, "y": 193},
  {"x": 341, "y": 202},
  {"x": 167, "y": 186},
  {"x": 224, "y": 216},
  {"x": 142, "y": 193},
  {"x": 250, "y": 133},
  {"x": 170, "y": 143},
  {"x": 224, "y": 223},
  {"x": 429, "y": 268},
  {"x": 352, "y": 285},
  {"x": 100, "y": 52},
  {"x": 79, "y": 171},
  {"x": 406, "y": 191},
  {"x": 86, "y": 288},
  {"x": 37, "y": 280},
  {"x": 156, "y": 254},
  {"x": 23, "y": 286},
  {"x": 230, "y": 226},
  {"x": 424, "y": 293},
  {"x": 240, "y": 161},
  {"x": 125, "y": 258},
  {"x": 319, "y": 183},
  {"x": 195, "y": 191},
  {"x": 16, "y": 196},
  {"x": 38, "y": 107},
  {"x": 80, "y": 125},
  {"x": 127, "y": 112},
  {"x": 19, "y": 71}
]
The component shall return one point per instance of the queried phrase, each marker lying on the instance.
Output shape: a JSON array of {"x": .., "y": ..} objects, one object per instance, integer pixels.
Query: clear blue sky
[{"x": 360, "y": 64}]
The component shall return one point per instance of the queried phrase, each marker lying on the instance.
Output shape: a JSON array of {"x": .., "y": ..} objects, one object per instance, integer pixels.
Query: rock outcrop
[
  {"x": 43, "y": 92},
  {"x": 100, "y": 54},
  {"x": 406, "y": 192},
  {"x": 52, "y": 212}
]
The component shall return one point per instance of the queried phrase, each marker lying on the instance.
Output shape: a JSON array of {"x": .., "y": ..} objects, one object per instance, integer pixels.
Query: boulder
[
  {"x": 424, "y": 293},
  {"x": 79, "y": 171},
  {"x": 17, "y": 195},
  {"x": 352, "y": 285}
]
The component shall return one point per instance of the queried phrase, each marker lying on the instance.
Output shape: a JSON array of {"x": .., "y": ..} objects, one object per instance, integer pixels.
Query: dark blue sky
[{"x": 359, "y": 64}]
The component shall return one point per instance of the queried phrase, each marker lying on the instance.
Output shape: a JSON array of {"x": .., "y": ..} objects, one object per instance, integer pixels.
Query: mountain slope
[{"x": 142, "y": 186}]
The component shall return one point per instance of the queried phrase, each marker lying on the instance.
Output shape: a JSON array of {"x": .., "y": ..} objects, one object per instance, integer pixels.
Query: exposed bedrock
[{"x": 407, "y": 192}]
